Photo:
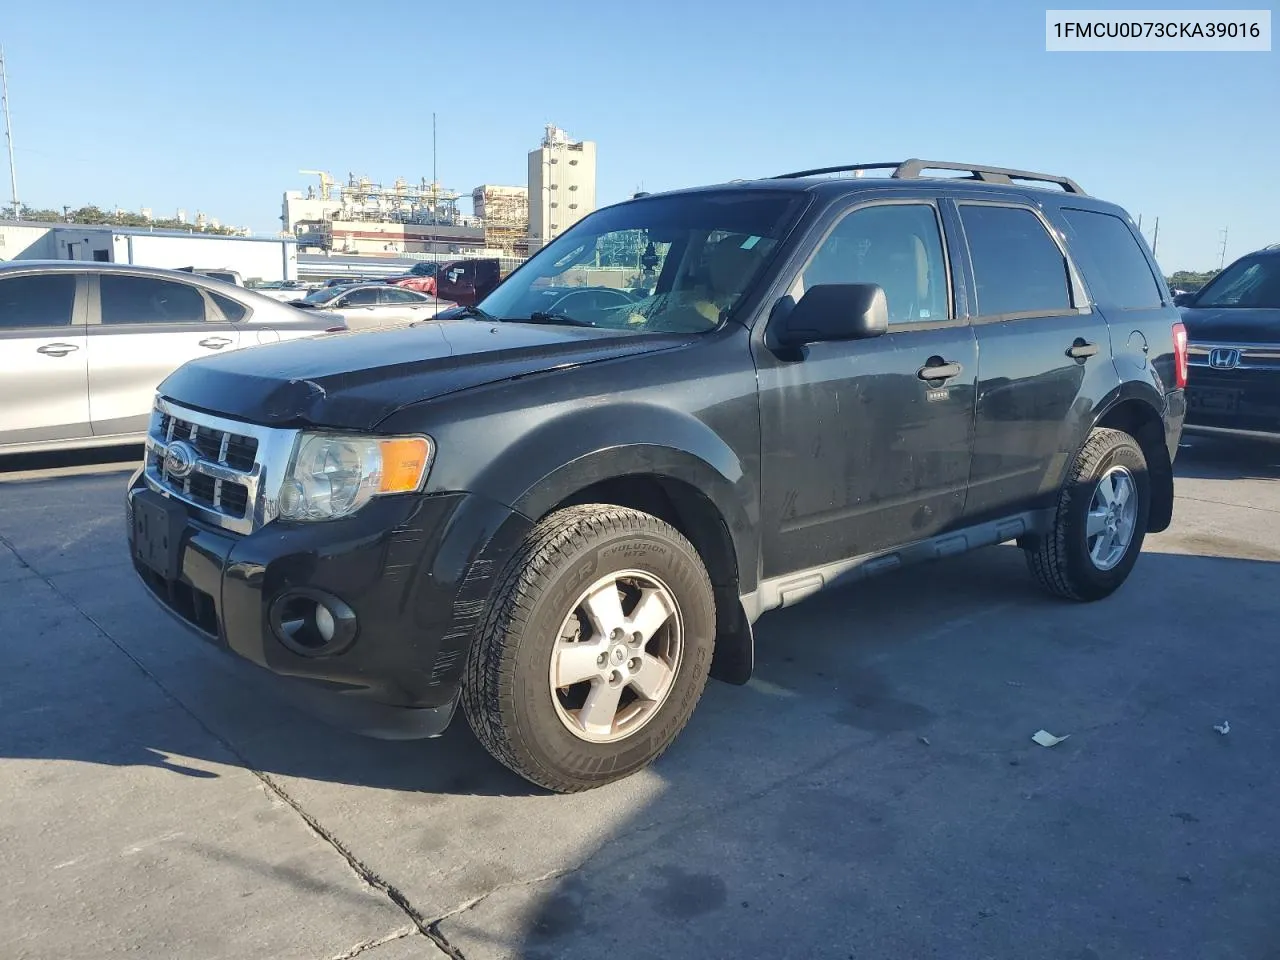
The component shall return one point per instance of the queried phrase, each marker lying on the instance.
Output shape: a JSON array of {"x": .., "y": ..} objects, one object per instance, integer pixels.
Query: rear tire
[
  {"x": 1100, "y": 523},
  {"x": 594, "y": 650}
]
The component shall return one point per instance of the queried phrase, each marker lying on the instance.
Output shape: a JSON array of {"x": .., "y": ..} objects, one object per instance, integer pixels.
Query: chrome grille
[
  {"x": 229, "y": 471},
  {"x": 1245, "y": 356}
]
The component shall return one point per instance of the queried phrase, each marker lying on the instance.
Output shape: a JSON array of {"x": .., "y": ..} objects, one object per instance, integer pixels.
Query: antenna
[
  {"x": 1222, "y": 248},
  {"x": 1155, "y": 240},
  {"x": 8, "y": 133},
  {"x": 434, "y": 178}
]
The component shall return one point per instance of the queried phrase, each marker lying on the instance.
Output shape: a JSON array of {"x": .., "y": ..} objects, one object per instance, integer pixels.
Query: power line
[{"x": 8, "y": 133}]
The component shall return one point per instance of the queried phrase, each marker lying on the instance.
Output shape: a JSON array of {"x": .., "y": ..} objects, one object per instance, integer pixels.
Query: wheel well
[
  {"x": 692, "y": 513},
  {"x": 1143, "y": 422}
]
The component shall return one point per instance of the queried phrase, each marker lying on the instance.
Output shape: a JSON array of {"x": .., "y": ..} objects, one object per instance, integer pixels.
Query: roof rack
[{"x": 913, "y": 170}]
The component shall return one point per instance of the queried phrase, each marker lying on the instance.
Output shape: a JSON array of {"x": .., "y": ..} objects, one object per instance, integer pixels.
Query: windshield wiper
[
  {"x": 472, "y": 311},
  {"x": 542, "y": 316}
]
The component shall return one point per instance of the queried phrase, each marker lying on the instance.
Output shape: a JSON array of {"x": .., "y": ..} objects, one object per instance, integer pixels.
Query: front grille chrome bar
[{"x": 220, "y": 486}]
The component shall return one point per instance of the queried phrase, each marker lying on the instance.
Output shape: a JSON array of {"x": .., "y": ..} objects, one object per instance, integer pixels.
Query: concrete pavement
[{"x": 873, "y": 793}]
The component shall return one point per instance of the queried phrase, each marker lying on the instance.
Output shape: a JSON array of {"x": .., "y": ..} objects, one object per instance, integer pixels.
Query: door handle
[
  {"x": 215, "y": 343},
  {"x": 56, "y": 349},
  {"x": 1082, "y": 349},
  {"x": 939, "y": 369}
]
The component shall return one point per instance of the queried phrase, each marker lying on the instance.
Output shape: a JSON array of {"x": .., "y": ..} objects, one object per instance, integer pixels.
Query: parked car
[
  {"x": 1233, "y": 325},
  {"x": 370, "y": 305},
  {"x": 84, "y": 345},
  {"x": 566, "y": 519},
  {"x": 421, "y": 277},
  {"x": 468, "y": 281},
  {"x": 285, "y": 291}
]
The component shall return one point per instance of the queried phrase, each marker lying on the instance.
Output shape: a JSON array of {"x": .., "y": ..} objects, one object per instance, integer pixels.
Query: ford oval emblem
[{"x": 180, "y": 459}]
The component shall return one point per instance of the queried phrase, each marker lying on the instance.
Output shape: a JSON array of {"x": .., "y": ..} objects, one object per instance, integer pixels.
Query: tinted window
[
  {"x": 1120, "y": 275},
  {"x": 37, "y": 301},
  {"x": 361, "y": 298},
  {"x": 898, "y": 246},
  {"x": 232, "y": 310},
  {"x": 148, "y": 300},
  {"x": 1017, "y": 266},
  {"x": 392, "y": 295}
]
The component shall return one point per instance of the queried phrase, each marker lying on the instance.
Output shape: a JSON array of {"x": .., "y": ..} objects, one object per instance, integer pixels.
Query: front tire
[
  {"x": 595, "y": 649},
  {"x": 1100, "y": 523}
]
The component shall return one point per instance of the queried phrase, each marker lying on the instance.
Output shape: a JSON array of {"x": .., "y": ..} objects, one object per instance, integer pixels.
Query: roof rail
[{"x": 914, "y": 169}]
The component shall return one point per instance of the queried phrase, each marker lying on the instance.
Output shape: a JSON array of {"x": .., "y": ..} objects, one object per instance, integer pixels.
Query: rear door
[
  {"x": 43, "y": 361},
  {"x": 1044, "y": 356},
  {"x": 142, "y": 329}
]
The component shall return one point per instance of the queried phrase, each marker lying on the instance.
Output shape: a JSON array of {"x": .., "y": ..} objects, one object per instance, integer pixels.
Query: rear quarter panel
[{"x": 1141, "y": 337}]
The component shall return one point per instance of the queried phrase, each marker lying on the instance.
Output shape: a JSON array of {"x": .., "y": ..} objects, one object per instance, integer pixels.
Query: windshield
[
  {"x": 323, "y": 295},
  {"x": 675, "y": 264},
  {"x": 1252, "y": 283},
  {"x": 424, "y": 269}
]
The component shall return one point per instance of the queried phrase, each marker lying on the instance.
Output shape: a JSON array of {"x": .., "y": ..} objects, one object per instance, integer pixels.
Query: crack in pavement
[
  {"x": 359, "y": 948},
  {"x": 363, "y": 872},
  {"x": 1226, "y": 503}
]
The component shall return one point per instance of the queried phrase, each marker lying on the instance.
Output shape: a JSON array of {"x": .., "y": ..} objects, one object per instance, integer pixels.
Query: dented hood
[{"x": 355, "y": 380}]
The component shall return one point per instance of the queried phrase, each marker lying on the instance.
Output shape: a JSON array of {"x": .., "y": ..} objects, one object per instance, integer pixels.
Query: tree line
[
  {"x": 96, "y": 216},
  {"x": 1190, "y": 280}
]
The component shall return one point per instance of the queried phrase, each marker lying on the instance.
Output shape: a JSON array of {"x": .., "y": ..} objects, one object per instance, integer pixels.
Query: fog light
[
  {"x": 324, "y": 622},
  {"x": 312, "y": 623}
]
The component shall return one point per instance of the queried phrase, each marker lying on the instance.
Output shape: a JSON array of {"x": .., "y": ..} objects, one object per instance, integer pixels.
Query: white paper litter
[
  {"x": 1047, "y": 739},
  {"x": 1223, "y": 728}
]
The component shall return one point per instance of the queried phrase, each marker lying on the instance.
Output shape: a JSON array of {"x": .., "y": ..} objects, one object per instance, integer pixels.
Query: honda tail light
[{"x": 1180, "y": 354}]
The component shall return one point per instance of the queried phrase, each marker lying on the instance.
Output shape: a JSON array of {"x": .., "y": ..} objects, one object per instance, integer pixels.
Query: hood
[
  {"x": 1232, "y": 324},
  {"x": 353, "y": 381}
]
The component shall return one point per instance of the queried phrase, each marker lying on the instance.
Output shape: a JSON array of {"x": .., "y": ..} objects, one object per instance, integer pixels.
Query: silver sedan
[
  {"x": 83, "y": 346},
  {"x": 368, "y": 306}
]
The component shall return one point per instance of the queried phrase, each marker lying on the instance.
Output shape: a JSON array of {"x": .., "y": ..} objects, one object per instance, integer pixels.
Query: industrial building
[
  {"x": 254, "y": 258},
  {"x": 362, "y": 217},
  {"x": 562, "y": 184}
]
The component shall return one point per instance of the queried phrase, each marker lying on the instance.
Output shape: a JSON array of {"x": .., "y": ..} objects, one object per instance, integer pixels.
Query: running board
[{"x": 791, "y": 588}]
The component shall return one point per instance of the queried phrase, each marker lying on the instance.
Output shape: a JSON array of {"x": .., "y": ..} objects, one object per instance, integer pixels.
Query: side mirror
[
  {"x": 1183, "y": 299},
  {"x": 836, "y": 311}
]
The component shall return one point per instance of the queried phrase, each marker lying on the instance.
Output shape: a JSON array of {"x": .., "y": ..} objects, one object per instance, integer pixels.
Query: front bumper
[{"x": 414, "y": 572}]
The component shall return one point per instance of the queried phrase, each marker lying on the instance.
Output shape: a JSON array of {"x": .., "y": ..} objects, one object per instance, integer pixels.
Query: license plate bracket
[
  {"x": 158, "y": 525},
  {"x": 1213, "y": 400}
]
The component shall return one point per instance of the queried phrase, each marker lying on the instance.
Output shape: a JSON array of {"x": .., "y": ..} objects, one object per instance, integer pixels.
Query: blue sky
[{"x": 216, "y": 106}]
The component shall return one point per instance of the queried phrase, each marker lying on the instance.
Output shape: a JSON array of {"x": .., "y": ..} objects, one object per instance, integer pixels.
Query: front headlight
[{"x": 332, "y": 476}]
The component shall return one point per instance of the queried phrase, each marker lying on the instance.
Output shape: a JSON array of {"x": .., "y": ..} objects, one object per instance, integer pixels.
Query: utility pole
[
  {"x": 1222, "y": 248},
  {"x": 8, "y": 133}
]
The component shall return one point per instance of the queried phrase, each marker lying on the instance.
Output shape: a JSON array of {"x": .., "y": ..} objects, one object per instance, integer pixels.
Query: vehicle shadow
[
  {"x": 1202, "y": 458},
  {"x": 63, "y": 459},
  {"x": 884, "y": 796}
]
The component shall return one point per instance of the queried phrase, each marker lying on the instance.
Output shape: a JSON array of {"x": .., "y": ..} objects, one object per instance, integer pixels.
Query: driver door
[{"x": 866, "y": 452}]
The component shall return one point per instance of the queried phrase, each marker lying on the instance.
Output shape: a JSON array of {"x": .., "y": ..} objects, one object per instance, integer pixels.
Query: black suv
[
  {"x": 566, "y": 506},
  {"x": 1233, "y": 329}
]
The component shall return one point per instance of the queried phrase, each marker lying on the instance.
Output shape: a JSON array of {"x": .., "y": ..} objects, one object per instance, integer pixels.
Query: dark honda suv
[
  {"x": 1233, "y": 328},
  {"x": 566, "y": 512}
]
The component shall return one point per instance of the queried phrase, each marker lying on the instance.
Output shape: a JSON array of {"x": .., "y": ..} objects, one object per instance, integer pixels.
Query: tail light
[{"x": 1180, "y": 354}]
